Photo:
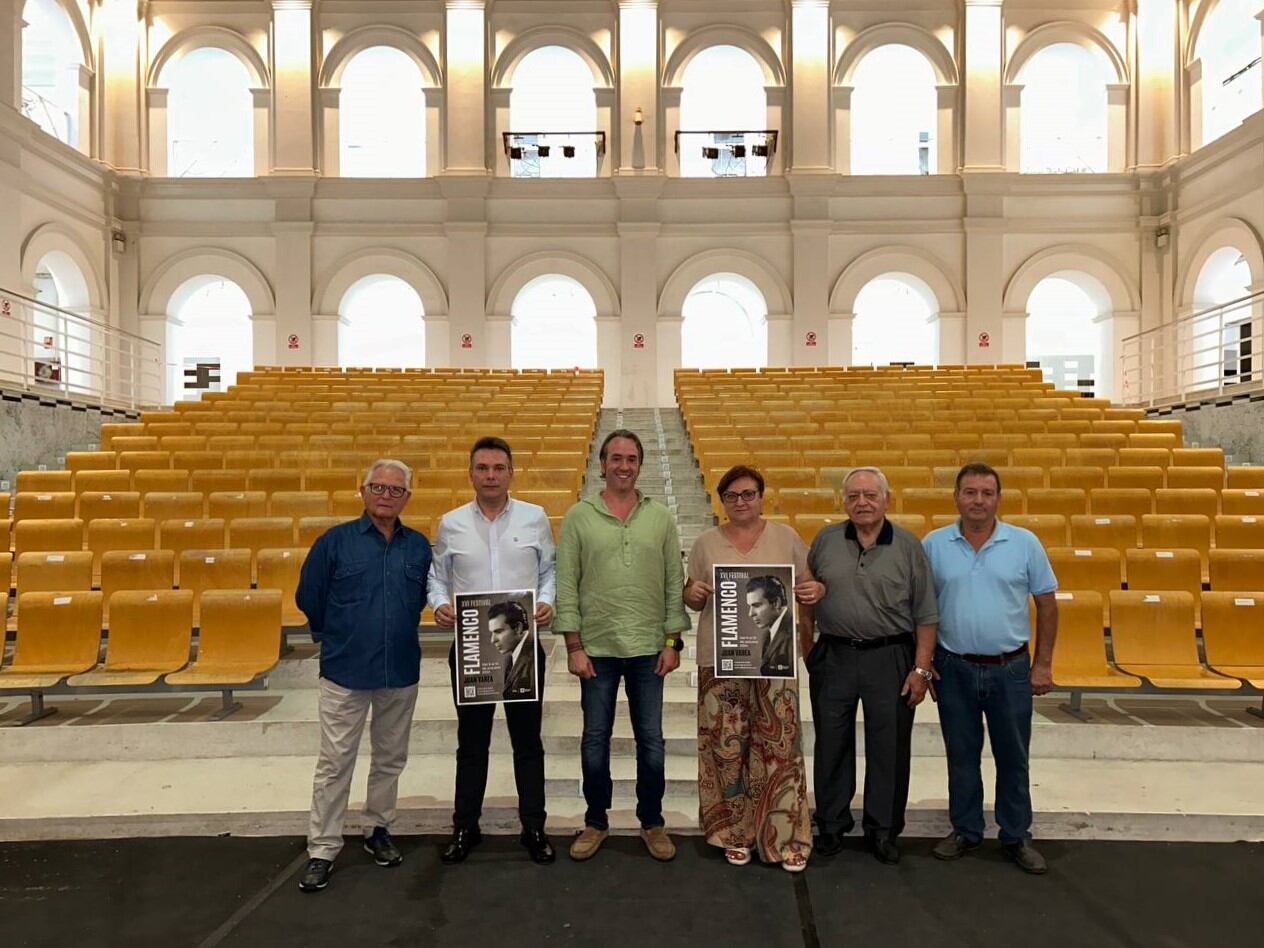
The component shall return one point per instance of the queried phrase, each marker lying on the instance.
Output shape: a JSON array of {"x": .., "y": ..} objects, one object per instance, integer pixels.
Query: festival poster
[
  {"x": 755, "y": 622},
  {"x": 496, "y": 647}
]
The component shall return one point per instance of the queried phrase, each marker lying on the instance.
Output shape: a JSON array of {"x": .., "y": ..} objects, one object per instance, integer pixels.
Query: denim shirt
[{"x": 363, "y": 598}]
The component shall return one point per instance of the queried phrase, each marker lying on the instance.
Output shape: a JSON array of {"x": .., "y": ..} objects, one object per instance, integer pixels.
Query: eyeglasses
[
  {"x": 393, "y": 490},
  {"x": 872, "y": 496},
  {"x": 733, "y": 496}
]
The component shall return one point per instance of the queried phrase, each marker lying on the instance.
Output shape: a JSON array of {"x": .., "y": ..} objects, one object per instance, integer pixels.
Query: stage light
[
  {"x": 568, "y": 151},
  {"x": 711, "y": 152},
  {"x": 759, "y": 151},
  {"x": 638, "y": 117},
  {"x": 739, "y": 151},
  {"x": 543, "y": 150},
  {"x": 515, "y": 153}
]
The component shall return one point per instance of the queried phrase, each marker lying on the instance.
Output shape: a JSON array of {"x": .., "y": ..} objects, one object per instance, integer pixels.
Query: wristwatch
[
  {"x": 676, "y": 643},
  {"x": 924, "y": 673}
]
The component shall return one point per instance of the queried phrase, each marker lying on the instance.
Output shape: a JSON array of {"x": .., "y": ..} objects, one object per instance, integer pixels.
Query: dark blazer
[
  {"x": 777, "y": 660},
  {"x": 520, "y": 682}
]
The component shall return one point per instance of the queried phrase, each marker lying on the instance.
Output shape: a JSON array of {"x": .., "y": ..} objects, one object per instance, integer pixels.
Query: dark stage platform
[{"x": 244, "y": 892}]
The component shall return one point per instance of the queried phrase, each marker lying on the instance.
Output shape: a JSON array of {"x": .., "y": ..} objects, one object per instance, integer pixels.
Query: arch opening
[
  {"x": 61, "y": 346},
  {"x": 51, "y": 64},
  {"x": 725, "y": 324},
  {"x": 1219, "y": 347},
  {"x": 722, "y": 101},
  {"x": 551, "y": 106},
  {"x": 893, "y": 112},
  {"x": 381, "y": 116},
  {"x": 892, "y": 322},
  {"x": 1229, "y": 49},
  {"x": 553, "y": 325},
  {"x": 210, "y": 336},
  {"x": 1063, "y": 111},
  {"x": 210, "y": 125},
  {"x": 1062, "y": 330},
  {"x": 381, "y": 325}
]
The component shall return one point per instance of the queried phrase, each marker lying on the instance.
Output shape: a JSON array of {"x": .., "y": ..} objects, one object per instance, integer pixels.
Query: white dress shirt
[{"x": 474, "y": 554}]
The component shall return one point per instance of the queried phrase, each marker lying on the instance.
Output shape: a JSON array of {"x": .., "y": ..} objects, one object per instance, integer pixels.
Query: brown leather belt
[
  {"x": 995, "y": 659},
  {"x": 865, "y": 644}
]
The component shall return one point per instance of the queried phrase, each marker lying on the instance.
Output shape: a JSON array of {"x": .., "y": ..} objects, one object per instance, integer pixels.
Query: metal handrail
[{"x": 54, "y": 351}]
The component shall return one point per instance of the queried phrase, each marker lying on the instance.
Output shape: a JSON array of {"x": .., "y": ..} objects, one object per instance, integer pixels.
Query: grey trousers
[{"x": 343, "y": 712}]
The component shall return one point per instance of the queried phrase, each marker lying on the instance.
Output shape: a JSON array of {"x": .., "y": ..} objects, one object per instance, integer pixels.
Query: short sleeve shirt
[
  {"x": 983, "y": 595},
  {"x": 871, "y": 593}
]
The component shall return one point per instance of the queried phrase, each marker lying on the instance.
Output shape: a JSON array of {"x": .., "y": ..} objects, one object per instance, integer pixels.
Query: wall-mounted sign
[
  {"x": 638, "y": 340},
  {"x": 292, "y": 342},
  {"x": 984, "y": 340},
  {"x": 467, "y": 341},
  {"x": 810, "y": 340}
]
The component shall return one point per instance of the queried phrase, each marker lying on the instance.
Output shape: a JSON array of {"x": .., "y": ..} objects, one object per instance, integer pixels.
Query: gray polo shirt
[{"x": 884, "y": 590}]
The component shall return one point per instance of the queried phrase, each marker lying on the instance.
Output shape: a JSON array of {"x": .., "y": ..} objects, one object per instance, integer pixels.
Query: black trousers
[
  {"x": 839, "y": 679},
  {"x": 474, "y": 738}
]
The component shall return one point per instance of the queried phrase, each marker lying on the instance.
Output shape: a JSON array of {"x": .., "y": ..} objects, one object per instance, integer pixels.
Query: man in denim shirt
[{"x": 362, "y": 589}]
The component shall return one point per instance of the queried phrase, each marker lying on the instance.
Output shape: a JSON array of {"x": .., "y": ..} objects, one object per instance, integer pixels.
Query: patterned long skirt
[{"x": 752, "y": 785}]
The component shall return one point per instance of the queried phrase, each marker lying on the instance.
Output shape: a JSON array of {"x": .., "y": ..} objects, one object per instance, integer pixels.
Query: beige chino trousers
[{"x": 343, "y": 712}]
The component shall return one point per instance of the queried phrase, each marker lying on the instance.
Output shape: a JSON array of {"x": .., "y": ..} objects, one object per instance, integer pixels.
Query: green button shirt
[{"x": 620, "y": 583}]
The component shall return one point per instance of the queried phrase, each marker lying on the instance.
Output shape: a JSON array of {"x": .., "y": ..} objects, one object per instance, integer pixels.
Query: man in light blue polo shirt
[{"x": 984, "y": 570}]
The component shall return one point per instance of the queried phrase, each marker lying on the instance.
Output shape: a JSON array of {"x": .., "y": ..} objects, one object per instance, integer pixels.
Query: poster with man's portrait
[
  {"x": 754, "y": 622},
  {"x": 496, "y": 647}
]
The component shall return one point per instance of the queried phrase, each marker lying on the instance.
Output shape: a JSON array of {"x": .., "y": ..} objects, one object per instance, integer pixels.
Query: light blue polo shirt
[{"x": 983, "y": 596}]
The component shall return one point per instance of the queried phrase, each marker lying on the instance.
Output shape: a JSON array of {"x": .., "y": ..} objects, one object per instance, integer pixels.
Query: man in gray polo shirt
[{"x": 877, "y": 639}]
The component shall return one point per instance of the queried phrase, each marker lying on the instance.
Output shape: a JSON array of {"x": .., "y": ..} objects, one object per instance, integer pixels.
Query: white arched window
[
  {"x": 381, "y": 116},
  {"x": 725, "y": 324},
  {"x": 722, "y": 93},
  {"x": 1228, "y": 47},
  {"x": 61, "y": 344},
  {"x": 893, "y": 113},
  {"x": 52, "y": 61},
  {"x": 1220, "y": 343},
  {"x": 553, "y": 95},
  {"x": 553, "y": 325},
  {"x": 892, "y": 322},
  {"x": 1063, "y": 110},
  {"x": 211, "y": 335},
  {"x": 381, "y": 325},
  {"x": 1062, "y": 334},
  {"x": 210, "y": 121}
]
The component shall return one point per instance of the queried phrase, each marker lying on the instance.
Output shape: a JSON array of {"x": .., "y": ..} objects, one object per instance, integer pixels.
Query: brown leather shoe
[
  {"x": 587, "y": 843},
  {"x": 659, "y": 843}
]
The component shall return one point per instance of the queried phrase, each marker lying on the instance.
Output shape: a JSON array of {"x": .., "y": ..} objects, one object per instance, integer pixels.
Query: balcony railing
[
  {"x": 726, "y": 154},
  {"x": 554, "y": 154},
  {"x": 1218, "y": 351},
  {"x": 54, "y": 351}
]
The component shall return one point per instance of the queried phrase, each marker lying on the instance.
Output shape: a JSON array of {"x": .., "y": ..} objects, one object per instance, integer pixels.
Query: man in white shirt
[{"x": 495, "y": 543}]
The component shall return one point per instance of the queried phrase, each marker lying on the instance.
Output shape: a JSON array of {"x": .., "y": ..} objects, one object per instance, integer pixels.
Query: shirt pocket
[
  {"x": 414, "y": 585},
  {"x": 347, "y": 588}
]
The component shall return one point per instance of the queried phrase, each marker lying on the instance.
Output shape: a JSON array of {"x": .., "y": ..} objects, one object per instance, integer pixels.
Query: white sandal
[
  {"x": 795, "y": 862},
  {"x": 737, "y": 855}
]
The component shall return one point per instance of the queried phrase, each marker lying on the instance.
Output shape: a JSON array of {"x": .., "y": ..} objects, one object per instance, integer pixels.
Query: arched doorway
[
  {"x": 381, "y": 325},
  {"x": 893, "y": 113},
  {"x": 553, "y": 325},
  {"x": 1220, "y": 343},
  {"x": 210, "y": 124},
  {"x": 722, "y": 92},
  {"x": 62, "y": 345},
  {"x": 892, "y": 323},
  {"x": 210, "y": 338},
  {"x": 725, "y": 324},
  {"x": 1063, "y": 111},
  {"x": 381, "y": 116},
  {"x": 52, "y": 61},
  {"x": 1062, "y": 330},
  {"x": 552, "y": 94}
]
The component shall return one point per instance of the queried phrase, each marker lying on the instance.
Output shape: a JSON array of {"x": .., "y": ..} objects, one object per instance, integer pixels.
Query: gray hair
[
  {"x": 876, "y": 472},
  {"x": 394, "y": 465}
]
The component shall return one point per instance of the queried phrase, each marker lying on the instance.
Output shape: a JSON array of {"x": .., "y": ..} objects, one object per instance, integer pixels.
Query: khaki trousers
[{"x": 343, "y": 712}]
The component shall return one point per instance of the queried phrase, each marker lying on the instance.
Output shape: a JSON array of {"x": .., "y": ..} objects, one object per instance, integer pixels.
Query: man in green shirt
[{"x": 620, "y": 606}]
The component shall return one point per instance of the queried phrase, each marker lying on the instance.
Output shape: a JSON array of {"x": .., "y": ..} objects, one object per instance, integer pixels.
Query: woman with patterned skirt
[{"x": 752, "y": 785}]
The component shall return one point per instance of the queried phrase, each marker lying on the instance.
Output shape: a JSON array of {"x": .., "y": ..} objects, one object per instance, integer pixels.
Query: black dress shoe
[
  {"x": 827, "y": 844},
  {"x": 538, "y": 845},
  {"x": 316, "y": 876},
  {"x": 463, "y": 840},
  {"x": 1027, "y": 858},
  {"x": 884, "y": 849}
]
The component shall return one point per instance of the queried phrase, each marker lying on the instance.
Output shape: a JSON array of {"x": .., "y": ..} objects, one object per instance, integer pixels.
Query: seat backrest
[
  {"x": 149, "y": 629},
  {"x": 1232, "y": 570},
  {"x": 1050, "y": 529},
  {"x": 148, "y": 480},
  {"x": 1134, "y": 501},
  {"x": 332, "y": 479},
  {"x": 6, "y": 570},
  {"x": 174, "y": 505},
  {"x": 96, "y": 505},
  {"x": 1165, "y": 531},
  {"x": 1067, "y": 501},
  {"x": 1119, "y": 532},
  {"x": 103, "y": 481},
  {"x": 59, "y": 629},
  {"x": 121, "y": 534},
  {"x": 1187, "y": 500},
  {"x": 1199, "y": 457},
  {"x": 229, "y": 505},
  {"x": 50, "y": 535},
  {"x": 1179, "y": 569},
  {"x": 43, "y": 505},
  {"x": 1153, "y": 628},
  {"x": 136, "y": 569},
  {"x": 214, "y": 569},
  {"x": 1146, "y": 478},
  {"x": 1248, "y": 500},
  {"x": 1240, "y": 532},
  {"x": 198, "y": 534},
  {"x": 310, "y": 528},
  {"x": 240, "y": 628},
  {"x": 1087, "y": 568},
  {"x": 43, "y": 482},
  {"x": 1241, "y": 476},
  {"x": 257, "y": 533},
  {"x": 1212, "y": 478},
  {"x": 51, "y": 572},
  {"x": 299, "y": 503},
  {"x": 1081, "y": 647},
  {"x": 1233, "y": 628}
]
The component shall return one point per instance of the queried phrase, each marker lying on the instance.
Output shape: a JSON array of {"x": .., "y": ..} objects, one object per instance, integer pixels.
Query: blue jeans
[
  {"x": 645, "y": 705},
  {"x": 968, "y": 693}
]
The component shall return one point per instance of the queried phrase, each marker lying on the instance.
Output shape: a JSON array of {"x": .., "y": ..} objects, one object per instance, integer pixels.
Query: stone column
[
  {"x": 806, "y": 334},
  {"x": 264, "y": 330},
  {"x": 156, "y": 96},
  {"x": 1117, "y": 94},
  {"x": 1113, "y": 329},
  {"x": 945, "y": 128},
  {"x": 840, "y": 338},
  {"x": 260, "y": 105},
  {"x": 1013, "y": 98},
  {"x": 842, "y": 129},
  {"x": 950, "y": 331},
  {"x": 635, "y": 379},
  {"x": 984, "y": 56},
  {"x": 610, "y": 345},
  {"x": 500, "y": 97},
  {"x": 294, "y": 151},
  {"x": 498, "y": 329},
  {"x": 667, "y": 334},
  {"x": 121, "y": 25},
  {"x": 11, "y": 56},
  {"x": 636, "y": 148},
  {"x": 293, "y": 286},
  {"x": 330, "y": 131},
  {"x": 1013, "y": 341},
  {"x": 810, "y": 79},
  {"x": 783, "y": 345},
  {"x": 1156, "y": 95},
  {"x": 985, "y": 273},
  {"x": 467, "y": 295},
  {"x": 324, "y": 344},
  {"x": 466, "y": 46}
]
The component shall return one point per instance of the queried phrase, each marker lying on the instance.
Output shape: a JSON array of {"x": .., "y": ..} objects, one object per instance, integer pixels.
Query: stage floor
[{"x": 243, "y": 891}]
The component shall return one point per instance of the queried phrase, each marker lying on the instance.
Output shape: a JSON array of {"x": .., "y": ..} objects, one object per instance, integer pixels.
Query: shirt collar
[
  {"x": 365, "y": 524},
  {"x": 885, "y": 535},
  {"x": 596, "y": 501},
  {"x": 478, "y": 511},
  {"x": 1000, "y": 533}
]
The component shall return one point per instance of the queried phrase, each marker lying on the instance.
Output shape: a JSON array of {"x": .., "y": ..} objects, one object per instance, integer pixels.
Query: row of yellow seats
[
  {"x": 327, "y": 438},
  {"x": 1153, "y": 638},
  {"x": 792, "y": 452},
  {"x": 396, "y": 428},
  {"x": 213, "y": 567},
  {"x": 58, "y": 643}
]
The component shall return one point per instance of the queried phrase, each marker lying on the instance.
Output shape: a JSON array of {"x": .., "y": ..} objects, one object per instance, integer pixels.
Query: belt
[
  {"x": 904, "y": 638},
  {"x": 995, "y": 659}
]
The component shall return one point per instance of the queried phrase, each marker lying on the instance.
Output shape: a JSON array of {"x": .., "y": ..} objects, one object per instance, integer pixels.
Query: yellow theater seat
[
  {"x": 53, "y": 572},
  {"x": 296, "y": 504},
  {"x": 103, "y": 481},
  {"x": 332, "y": 479},
  {"x": 32, "y": 505},
  {"x": 1240, "y": 532},
  {"x": 239, "y": 638},
  {"x": 1231, "y": 570},
  {"x": 1242, "y": 477},
  {"x": 231, "y": 505},
  {"x": 1116, "y": 533},
  {"x": 121, "y": 535},
  {"x": 1169, "y": 531},
  {"x": 1079, "y": 660},
  {"x": 928, "y": 501},
  {"x": 147, "y": 480},
  {"x": 1241, "y": 501},
  {"x": 279, "y": 569},
  {"x": 1153, "y": 637},
  {"x": 1050, "y": 529},
  {"x": 150, "y": 635},
  {"x": 201, "y": 570},
  {"x": 1145, "y": 478},
  {"x": 1096, "y": 569},
  {"x": 1110, "y": 501},
  {"x": 135, "y": 569},
  {"x": 174, "y": 505},
  {"x": 32, "y": 536},
  {"x": 1158, "y": 570},
  {"x": 1233, "y": 634},
  {"x": 98, "y": 505},
  {"x": 1187, "y": 500},
  {"x": 1065, "y": 501},
  {"x": 1211, "y": 478},
  {"x": 44, "y": 482},
  {"x": 1083, "y": 478},
  {"x": 59, "y": 634},
  {"x": 809, "y": 525}
]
